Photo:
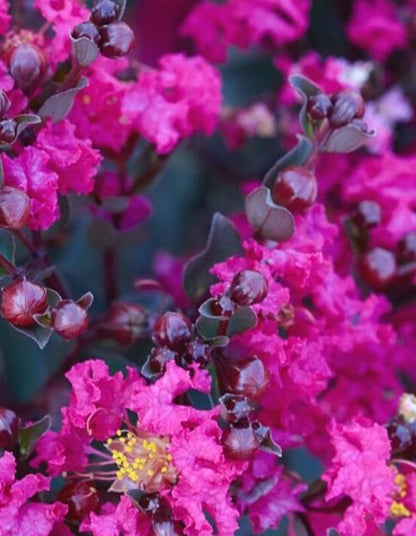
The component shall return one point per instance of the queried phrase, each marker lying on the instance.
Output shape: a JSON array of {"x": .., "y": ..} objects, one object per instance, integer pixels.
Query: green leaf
[
  {"x": 266, "y": 441},
  {"x": 296, "y": 157},
  {"x": 269, "y": 220},
  {"x": 7, "y": 249},
  {"x": 206, "y": 309},
  {"x": 346, "y": 139},
  {"x": 23, "y": 121},
  {"x": 39, "y": 334},
  {"x": 208, "y": 330},
  {"x": 58, "y": 106},
  {"x": 84, "y": 50},
  {"x": 304, "y": 86},
  {"x": 29, "y": 436},
  {"x": 223, "y": 242},
  {"x": 243, "y": 319}
]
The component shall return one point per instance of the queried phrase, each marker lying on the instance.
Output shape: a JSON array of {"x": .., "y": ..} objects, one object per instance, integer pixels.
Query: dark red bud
[
  {"x": 235, "y": 408},
  {"x": 21, "y": 300},
  {"x": 86, "y": 29},
  {"x": 248, "y": 377},
  {"x": 173, "y": 330},
  {"x": 117, "y": 40},
  {"x": 81, "y": 499},
  {"x": 240, "y": 443},
  {"x": 126, "y": 322},
  {"x": 406, "y": 248},
  {"x": 378, "y": 267},
  {"x": 367, "y": 215},
  {"x": 295, "y": 188},
  {"x": 319, "y": 106},
  {"x": 14, "y": 207},
  {"x": 4, "y": 103},
  {"x": 9, "y": 428},
  {"x": 155, "y": 365},
  {"x": 105, "y": 12},
  {"x": 68, "y": 319},
  {"x": 400, "y": 436},
  {"x": 27, "y": 65},
  {"x": 347, "y": 106},
  {"x": 223, "y": 306},
  {"x": 7, "y": 130},
  {"x": 198, "y": 352},
  {"x": 248, "y": 287}
]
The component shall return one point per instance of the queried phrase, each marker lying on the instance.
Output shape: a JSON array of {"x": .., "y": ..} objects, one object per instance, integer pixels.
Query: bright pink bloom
[
  {"x": 359, "y": 470},
  {"x": 181, "y": 98},
  {"x": 374, "y": 26},
  {"x": 18, "y": 514},
  {"x": 4, "y": 16}
]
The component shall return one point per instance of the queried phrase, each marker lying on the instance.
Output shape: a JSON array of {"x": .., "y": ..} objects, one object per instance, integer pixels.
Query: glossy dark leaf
[
  {"x": 296, "y": 157},
  {"x": 29, "y": 436},
  {"x": 208, "y": 330},
  {"x": 269, "y": 220},
  {"x": 58, "y": 106},
  {"x": 243, "y": 319},
  {"x": 122, "y": 4},
  {"x": 267, "y": 443},
  {"x": 304, "y": 86},
  {"x": 346, "y": 139},
  {"x": 84, "y": 50},
  {"x": 223, "y": 242},
  {"x": 7, "y": 248},
  {"x": 207, "y": 310},
  {"x": 24, "y": 120}
]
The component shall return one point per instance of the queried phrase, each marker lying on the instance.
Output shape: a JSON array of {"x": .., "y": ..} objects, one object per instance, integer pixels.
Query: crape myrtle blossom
[{"x": 172, "y": 449}]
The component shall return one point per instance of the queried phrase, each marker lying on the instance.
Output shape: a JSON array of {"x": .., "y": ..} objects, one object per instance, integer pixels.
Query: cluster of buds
[
  {"x": 25, "y": 304},
  {"x": 340, "y": 109},
  {"x": 113, "y": 37},
  {"x": 175, "y": 339},
  {"x": 380, "y": 267}
]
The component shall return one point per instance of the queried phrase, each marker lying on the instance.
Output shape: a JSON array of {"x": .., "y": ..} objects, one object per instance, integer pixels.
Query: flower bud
[
  {"x": 117, "y": 39},
  {"x": 367, "y": 215},
  {"x": 14, "y": 207},
  {"x": 235, "y": 408},
  {"x": 81, "y": 499},
  {"x": 378, "y": 267},
  {"x": 4, "y": 103},
  {"x": 7, "y": 130},
  {"x": 155, "y": 365},
  {"x": 400, "y": 436},
  {"x": 27, "y": 65},
  {"x": 21, "y": 300},
  {"x": 295, "y": 188},
  {"x": 240, "y": 443},
  {"x": 105, "y": 12},
  {"x": 248, "y": 377},
  {"x": 173, "y": 330},
  {"x": 406, "y": 248},
  {"x": 126, "y": 322},
  {"x": 319, "y": 106},
  {"x": 347, "y": 106},
  {"x": 86, "y": 29},
  {"x": 198, "y": 352},
  {"x": 248, "y": 287},
  {"x": 69, "y": 319},
  {"x": 9, "y": 428}
]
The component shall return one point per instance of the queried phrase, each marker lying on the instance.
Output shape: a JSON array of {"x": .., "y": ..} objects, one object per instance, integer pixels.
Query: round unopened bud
[
  {"x": 81, "y": 499},
  {"x": 117, "y": 40},
  {"x": 319, "y": 106},
  {"x": 68, "y": 319},
  {"x": 248, "y": 287},
  {"x": 400, "y": 437},
  {"x": 248, "y": 377},
  {"x": 126, "y": 322},
  {"x": 198, "y": 352},
  {"x": 9, "y": 428},
  {"x": 7, "y": 130},
  {"x": 378, "y": 267},
  {"x": 14, "y": 207},
  {"x": 155, "y": 365},
  {"x": 86, "y": 29},
  {"x": 367, "y": 215},
  {"x": 235, "y": 408},
  {"x": 295, "y": 188},
  {"x": 406, "y": 248},
  {"x": 21, "y": 300},
  {"x": 173, "y": 330},
  {"x": 347, "y": 106},
  {"x": 4, "y": 103},
  {"x": 105, "y": 12},
  {"x": 27, "y": 65},
  {"x": 240, "y": 442}
]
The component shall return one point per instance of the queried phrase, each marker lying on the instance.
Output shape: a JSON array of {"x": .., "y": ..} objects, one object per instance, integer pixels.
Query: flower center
[{"x": 143, "y": 462}]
